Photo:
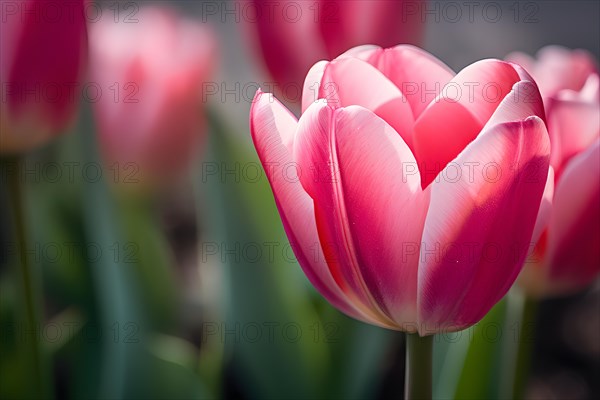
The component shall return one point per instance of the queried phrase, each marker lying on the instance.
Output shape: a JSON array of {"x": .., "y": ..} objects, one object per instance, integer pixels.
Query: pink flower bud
[{"x": 151, "y": 70}]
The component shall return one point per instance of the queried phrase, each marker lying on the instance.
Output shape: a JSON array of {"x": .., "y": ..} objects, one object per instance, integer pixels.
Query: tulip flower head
[
  {"x": 150, "y": 119},
  {"x": 415, "y": 190},
  {"x": 567, "y": 255},
  {"x": 42, "y": 57}
]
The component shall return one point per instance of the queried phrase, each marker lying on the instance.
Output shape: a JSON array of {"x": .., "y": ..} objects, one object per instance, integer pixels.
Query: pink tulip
[
  {"x": 291, "y": 36},
  {"x": 567, "y": 256},
  {"x": 150, "y": 118},
  {"x": 42, "y": 53},
  {"x": 409, "y": 193}
]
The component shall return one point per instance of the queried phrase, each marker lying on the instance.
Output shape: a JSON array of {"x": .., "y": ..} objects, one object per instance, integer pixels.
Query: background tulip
[
  {"x": 395, "y": 215},
  {"x": 567, "y": 256},
  {"x": 151, "y": 71},
  {"x": 291, "y": 36},
  {"x": 41, "y": 59}
]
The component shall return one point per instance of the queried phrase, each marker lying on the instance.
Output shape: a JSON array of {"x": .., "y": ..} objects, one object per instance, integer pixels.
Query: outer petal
[
  {"x": 369, "y": 213},
  {"x": 479, "y": 225},
  {"x": 574, "y": 232},
  {"x": 350, "y": 81},
  {"x": 273, "y": 127},
  {"x": 457, "y": 116}
]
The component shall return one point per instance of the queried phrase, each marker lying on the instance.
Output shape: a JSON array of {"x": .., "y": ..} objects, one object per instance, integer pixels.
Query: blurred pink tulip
[
  {"x": 409, "y": 193},
  {"x": 42, "y": 56},
  {"x": 291, "y": 36},
  {"x": 567, "y": 256},
  {"x": 150, "y": 117}
]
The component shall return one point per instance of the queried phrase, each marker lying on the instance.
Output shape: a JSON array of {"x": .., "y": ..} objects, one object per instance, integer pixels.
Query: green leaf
[{"x": 115, "y": 289}]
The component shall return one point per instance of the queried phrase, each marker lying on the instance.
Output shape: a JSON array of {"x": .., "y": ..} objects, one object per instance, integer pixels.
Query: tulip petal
[
  {"x": 273, "y": 127},
  {"x": 340, "y": 87},
  {"x": 524, "y": 60},
  {"x": 459, "y": 113},
  {"x": 479, "y": 224},
  {"x": 362, "y": 52},
  {"x": 419, "y": 75},
  {"x": 52, "y": 53},
  {"x": 574, "y": 231},
  {"x": 543, "y": 218},
  {"x": 557, "y": 68},
  {"x": 439, "y": 137},
  {"x": 41, "y": 62},
  {"x": 288, "y": 46},
  {"x": 574, "y": 125},
  {"x": 344, "y": 24},
  {"x": 523, "y": 101},
  {"x": 370, "y": 210},
  {"x": 312, "y": 84}
]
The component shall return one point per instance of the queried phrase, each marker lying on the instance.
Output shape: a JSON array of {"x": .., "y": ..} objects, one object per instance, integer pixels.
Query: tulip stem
[
  {"x": 419, "y": 353},
  {"x": 12, "y": 167}
]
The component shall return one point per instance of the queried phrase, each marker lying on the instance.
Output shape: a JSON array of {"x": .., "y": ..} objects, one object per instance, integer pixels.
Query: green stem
[
  {"x": 12, "y": 168},
  {"x": 419, "y": 353},
  {"x": 524, "y": 345}
]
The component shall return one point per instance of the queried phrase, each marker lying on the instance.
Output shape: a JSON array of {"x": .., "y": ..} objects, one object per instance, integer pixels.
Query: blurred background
[{"x": 158, "y": 264}]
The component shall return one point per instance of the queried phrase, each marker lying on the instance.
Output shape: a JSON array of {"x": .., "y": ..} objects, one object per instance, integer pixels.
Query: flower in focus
[
  {"x": 42, "y": 57},
  {"x": 415, "y": 190},
  {"x": 291, "y": 36},
  {"x": 567, "y": 255},
  {"x": 150, "y": 117}
]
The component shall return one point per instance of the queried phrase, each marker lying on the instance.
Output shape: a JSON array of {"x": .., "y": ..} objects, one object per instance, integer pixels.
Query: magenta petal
[{"x": 479, "y": 224}]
